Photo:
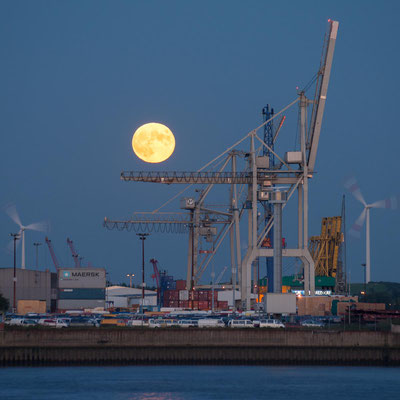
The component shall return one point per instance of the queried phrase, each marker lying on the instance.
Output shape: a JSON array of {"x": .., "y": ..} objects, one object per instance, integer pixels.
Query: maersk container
[
  {"x": 81, "y": 294},
  {"x": 73, "y": 304},
  {"x": 82, "y": 278}
]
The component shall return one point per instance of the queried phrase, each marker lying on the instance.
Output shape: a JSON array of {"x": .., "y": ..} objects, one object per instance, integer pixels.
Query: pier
[{"x": 119, "y": 346}]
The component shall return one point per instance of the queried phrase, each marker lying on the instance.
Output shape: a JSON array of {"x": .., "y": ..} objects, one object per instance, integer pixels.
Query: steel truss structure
[{"x": 273, "y": 184}]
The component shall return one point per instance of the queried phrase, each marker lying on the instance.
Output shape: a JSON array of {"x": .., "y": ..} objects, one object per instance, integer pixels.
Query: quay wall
[{"x": 197, "y": 346}]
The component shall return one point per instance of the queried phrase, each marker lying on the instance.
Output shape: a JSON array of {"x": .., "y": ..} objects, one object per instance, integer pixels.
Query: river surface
[{"x": 199, "y": 382}]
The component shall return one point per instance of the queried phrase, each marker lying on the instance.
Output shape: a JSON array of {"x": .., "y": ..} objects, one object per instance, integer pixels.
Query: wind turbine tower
[
  {"x": 390, "y": 204},
  {"x": 11, "y": 210}
]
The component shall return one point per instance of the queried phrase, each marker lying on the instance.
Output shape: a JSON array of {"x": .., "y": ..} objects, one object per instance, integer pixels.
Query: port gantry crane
[{"x": 275, "y": 185}]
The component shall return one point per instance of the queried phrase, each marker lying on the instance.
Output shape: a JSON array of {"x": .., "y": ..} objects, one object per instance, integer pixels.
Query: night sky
[{"x": 79, "y": 77}]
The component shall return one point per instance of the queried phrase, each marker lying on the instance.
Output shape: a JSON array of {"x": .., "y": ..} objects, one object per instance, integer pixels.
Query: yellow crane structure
[{"x": 325, "y": 248}]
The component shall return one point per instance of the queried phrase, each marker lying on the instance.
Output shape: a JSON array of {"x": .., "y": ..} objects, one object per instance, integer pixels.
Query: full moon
[{"x": 153, "y": 142}]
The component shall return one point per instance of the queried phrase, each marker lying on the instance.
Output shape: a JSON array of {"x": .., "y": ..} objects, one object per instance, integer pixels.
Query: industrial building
[
  {"x": 125, "y": 297},
  {"x": 30, "y": 284}
]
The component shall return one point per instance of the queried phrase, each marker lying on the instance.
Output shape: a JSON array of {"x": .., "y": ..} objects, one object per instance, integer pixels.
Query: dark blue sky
[{"x": 78, "y": 77}]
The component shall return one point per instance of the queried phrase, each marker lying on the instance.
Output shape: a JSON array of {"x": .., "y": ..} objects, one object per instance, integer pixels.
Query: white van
[
  {"x": 240, "y": 323},
  {"x": 187, "y": 323},
  {"x": 270, "y": 323},
  {"x": 211, "y": 323},
  {"x": 137, "y": 322}
]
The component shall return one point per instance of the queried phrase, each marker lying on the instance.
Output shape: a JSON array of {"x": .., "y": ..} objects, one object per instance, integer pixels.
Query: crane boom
[
  {"x": 202, "y": 178},
  {"x": 75, "y": 255},
  {"x": 321, "y": 92},
  {"x": 53, "y": 255}
]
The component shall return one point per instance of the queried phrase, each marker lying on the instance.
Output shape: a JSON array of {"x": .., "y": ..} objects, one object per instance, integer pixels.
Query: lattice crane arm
[
  {"x": 321, "y": 92},
  {"x": 52, "y": 253},
  {"x": 201, "y": 178},
  {"x": 75, "y": 255}
]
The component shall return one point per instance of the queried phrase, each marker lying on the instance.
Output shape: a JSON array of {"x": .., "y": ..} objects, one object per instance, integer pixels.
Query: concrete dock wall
[{"x": 197, "y": 346}]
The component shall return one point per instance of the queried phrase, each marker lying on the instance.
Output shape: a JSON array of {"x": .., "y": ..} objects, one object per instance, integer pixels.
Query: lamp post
[
  {"x": 130, "y": 276},
  {"x": 365, "y": 279},
  {"x": 37, "y": 244},
  {"x": 142, "y": 237},
  {"x": 16, "y": 237}
]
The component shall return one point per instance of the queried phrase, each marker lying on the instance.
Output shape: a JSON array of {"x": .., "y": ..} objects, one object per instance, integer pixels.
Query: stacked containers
[{"x": 81, "y": 288}]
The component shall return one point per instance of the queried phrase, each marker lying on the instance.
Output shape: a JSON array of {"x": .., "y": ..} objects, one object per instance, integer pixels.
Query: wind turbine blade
[
  {"x": 352, "y": 186},
  {"x": 355, "y": 230},
  {"x": 11, "y": 211},
  {"x": 392, "y": 203},
  {"x": 38, "y": 226}
]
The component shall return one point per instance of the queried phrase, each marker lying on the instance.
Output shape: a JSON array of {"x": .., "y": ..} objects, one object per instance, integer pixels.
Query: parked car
[
  {"x": 241, "y": 323},
  {"x": 136, "y": 322},
  {"x": 210, "y": 323},
  {"x": 311, "y": 323},
  {"x": 54, "y": 322},
  {"x": 27, "y": 323},
  {"x": 188, "y": 323},
  {"x": 269, "y": 323},
  {"x": 15, "y": 321}
]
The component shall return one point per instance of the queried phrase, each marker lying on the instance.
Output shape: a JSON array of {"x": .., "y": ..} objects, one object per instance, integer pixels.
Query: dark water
[{"x": 202, "y": 382}]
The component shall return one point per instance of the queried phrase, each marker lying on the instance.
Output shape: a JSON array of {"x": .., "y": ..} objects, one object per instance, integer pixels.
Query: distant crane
[
  {"x": 52, "y": 253},
  {"x": 156, "y": 276},
  {"x": 75, "y": 255}
]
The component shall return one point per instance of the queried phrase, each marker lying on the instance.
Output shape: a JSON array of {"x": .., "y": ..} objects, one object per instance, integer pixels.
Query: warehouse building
[
  {"x": 125, "y": 297},
  {"x": 31, "y": 284}
]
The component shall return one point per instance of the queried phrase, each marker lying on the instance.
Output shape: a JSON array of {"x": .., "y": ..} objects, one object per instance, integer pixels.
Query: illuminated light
[
  {"x": 329, "y": 20},
  {"x": 153, "y": 142}
]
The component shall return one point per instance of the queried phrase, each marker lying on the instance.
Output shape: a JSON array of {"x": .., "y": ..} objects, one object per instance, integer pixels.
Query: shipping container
[
  {"x": 183, "y": 295},
  {"x": 184, "y": 303},
  {"x": 203, "y": 305},
  {"x": 280, "y": 303},
  {"x": 82, "y": 278},
  {"x": 31, "y": 306},
  {"x": 84, "y": 294},
  {"x": 72, "y": 304},
  {"x": 180, "y": 284}
]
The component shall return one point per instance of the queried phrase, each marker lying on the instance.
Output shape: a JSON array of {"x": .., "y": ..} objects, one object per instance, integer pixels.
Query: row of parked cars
[
  {"x": 130, "y": 320},
  {"x": 51, "y": 321},
  {"x": 204, "y": 323}
]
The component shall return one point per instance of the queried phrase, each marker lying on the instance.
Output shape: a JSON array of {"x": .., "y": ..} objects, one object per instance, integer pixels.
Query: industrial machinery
[
  {"x": 52, "y": 253},
  {"x": 258, "y": 181},
  {"x": 75, "y": 255},
  {"x": 324, "y": 249}
]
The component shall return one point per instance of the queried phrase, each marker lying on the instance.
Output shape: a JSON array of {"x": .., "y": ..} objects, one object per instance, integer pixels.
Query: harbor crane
[
  {"x": 52, "y": 253},
  {"x": 275, "y": 184},
  {"x": 75, "y": 255}
]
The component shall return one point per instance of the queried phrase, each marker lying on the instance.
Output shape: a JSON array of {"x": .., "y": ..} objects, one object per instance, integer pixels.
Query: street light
[
  {"x": 16, "y": 237},
  {"x": 37, "y": 244},
  {"x": 130, "y": 276},
  {"x": 142, "y": 237},
  {"x": 365, "y": 277}
]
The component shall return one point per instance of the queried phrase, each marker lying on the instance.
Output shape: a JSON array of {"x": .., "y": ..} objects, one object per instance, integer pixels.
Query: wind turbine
[
  {"x": 390, "y": 204},
  {"x": 11, "y": 211}
]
